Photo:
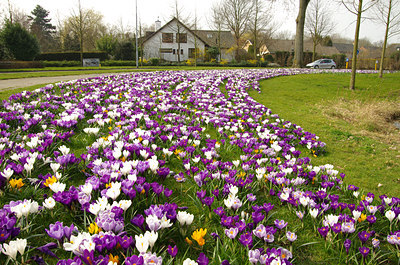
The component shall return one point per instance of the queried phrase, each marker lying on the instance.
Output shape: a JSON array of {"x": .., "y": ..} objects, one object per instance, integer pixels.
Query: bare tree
[
  {"x": 87, "y": 26},
  {"x": 260, "y": 25},
  {"x": 217, "y": 23},
  {"x": 388, "y": 13},
  {"x": 236, "y": 15},
  {"x": 178, "y": 14},
  {"x": 318, "y": 23},
  {"x": 357, "y": 7}
]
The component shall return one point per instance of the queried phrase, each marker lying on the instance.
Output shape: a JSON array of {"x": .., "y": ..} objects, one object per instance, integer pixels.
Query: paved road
[{"x": 31, "y": 81}]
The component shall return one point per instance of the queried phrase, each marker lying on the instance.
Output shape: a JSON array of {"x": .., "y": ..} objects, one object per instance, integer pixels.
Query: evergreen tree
[
  {"x": 23, "y": 45},
  {"x": 42, "y": 28}
]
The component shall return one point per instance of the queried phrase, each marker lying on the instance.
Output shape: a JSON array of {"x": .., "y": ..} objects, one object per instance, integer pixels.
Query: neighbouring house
[
  {"x": 288, "y": 46},
  {"x": 393, "y": 48},
  {"x": 176, "y": 38}
]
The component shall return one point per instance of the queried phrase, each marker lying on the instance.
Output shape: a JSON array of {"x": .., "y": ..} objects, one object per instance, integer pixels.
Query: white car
[{"x": 322, "y": 63}]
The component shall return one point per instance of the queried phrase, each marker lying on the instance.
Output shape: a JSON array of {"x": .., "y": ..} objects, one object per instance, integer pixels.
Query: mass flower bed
[{"x": 175, "y": 168}]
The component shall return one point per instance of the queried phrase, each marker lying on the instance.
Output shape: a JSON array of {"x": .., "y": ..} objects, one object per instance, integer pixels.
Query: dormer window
[{"x": 209, "y": 36}]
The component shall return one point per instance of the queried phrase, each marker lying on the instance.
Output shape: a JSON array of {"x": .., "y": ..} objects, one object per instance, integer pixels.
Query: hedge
[{"x": 70, "y": 56}]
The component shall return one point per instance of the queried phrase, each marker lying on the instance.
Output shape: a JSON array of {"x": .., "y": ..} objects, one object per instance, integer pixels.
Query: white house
[{"x": 176, "y": 38}]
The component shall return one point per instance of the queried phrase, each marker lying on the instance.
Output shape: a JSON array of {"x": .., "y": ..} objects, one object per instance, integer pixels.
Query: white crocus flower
[
  {"x": 314, "y": 212},
  {"x": 151, "y": 237},
  {"x": 49, "y": 203},
  {"x": 185, "y": 218},
  {"x": 144, "y": 153},
  {"x": 55, "y": 167},
  {"x": 142, "y": 243},
  {"x": 356, "y": 214},
  {"x": 7, "y": 173},
  {"x": 125, "y": 204},
  {"x": 390, "y": 215},
  {"x": 189, "y": 262},
  {"x": 20, "y": 245},
  {"x": 10, "y": 249},
  {"x": 153, "y": 164},
  {"x": 94, "y": 208},
  {"x": 64, "y": 150},
  {"x": 87, "y": 188},
  {"x": 57, "y": 186},
  {"x": 28, "y": 167}
]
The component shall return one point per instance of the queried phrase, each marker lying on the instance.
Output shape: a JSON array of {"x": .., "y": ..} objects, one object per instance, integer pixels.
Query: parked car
[{"x": 323, "y": 63}]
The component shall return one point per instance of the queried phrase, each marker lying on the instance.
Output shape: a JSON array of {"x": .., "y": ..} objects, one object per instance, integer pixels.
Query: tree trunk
[
  {"x": 298, "y": 48},
  {"x": 313, "y": 51},
  {"x": 385, "y": 41},
  {"x": 354, "y": 60},
  {"x": 81, "y": 32}
]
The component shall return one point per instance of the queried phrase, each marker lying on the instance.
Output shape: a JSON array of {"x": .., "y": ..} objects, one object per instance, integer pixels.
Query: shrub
[{"x": 154, "y": 61}]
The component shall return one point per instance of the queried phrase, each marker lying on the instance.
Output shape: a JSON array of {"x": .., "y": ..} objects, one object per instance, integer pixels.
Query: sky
[{"x": 117, "y": 12}]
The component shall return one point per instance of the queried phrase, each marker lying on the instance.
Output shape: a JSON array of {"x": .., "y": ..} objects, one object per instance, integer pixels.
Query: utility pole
[{"x": 136, "y": 39}]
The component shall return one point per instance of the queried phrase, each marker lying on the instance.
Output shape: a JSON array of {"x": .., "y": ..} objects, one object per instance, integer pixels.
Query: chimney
[{"x": 158, "y": 24}]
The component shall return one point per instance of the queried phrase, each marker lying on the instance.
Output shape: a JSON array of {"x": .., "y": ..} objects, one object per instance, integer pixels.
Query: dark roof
[
  {"x": 211, "y": 38},
  {"x": 288, "y": 45},
  {"x": 345, "y": 48},
  {"x": 392, "y": 48}
]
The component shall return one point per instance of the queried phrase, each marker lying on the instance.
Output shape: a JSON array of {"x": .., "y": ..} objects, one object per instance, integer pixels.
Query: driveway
[{"x": 31, "y": 81}]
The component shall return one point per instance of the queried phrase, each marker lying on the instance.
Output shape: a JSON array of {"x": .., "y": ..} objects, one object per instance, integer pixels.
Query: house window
[
  {"x": 167, "y": 37},
  {"x": 181, "y": 37},
  {"x": 173, "y": 51},
  {"x": 181, "y": 51},
  {"x": 165, "y": 50},
  {"x": 209, "y": 36},
  {"x": 191, "y": 52}
]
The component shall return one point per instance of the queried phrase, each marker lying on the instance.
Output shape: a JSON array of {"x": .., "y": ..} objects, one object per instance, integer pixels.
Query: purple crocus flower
[
  {"x": 254, "y": 255},
  {"x": 125, "y": 241},
  {"x": 246, "y": 239},
  {"x": 225, "y": 262},
  {"x": 134, "y": 260},
  {"x": 88, "y": 257},
  {"x": 226, "y": 221},
  {"x": 46, "y": 249},
  {"x": 323, "y": 231},
  {"x": 56, "y": 231},
  {"x": 257, "y": 217},
  {"x": 364, "y": 236},
  {"x": 280, "y": 224},
  {"x": 375, "y": 242},
  {"x": 364, "y": 251},
  {"x": 371, "y": 219},
  {"x": 347, "y": 245},
  {"x": 202, "y": 260},
  {"x": 201, "y": 194},
  {"x": 208, "y": 201},
  {"x": 336, "y": 228},
  {"x": 138, "y": 221},
  {"x": 167, "y": 192},
  {"x": 172, "y": 250},
  {"x": 291, "y": 236},
  {"x": 231, "y": 232}
]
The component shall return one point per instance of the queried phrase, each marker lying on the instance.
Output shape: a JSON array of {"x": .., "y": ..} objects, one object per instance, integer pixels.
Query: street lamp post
[{"x": 136, "y": 39}]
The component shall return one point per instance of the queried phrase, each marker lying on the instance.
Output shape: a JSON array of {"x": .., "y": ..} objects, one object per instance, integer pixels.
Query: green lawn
[{"x": 357, "y": 126}]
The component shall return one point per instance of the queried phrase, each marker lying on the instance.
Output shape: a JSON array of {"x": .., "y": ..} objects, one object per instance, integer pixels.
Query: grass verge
[{"x": 357, "y": 126}]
